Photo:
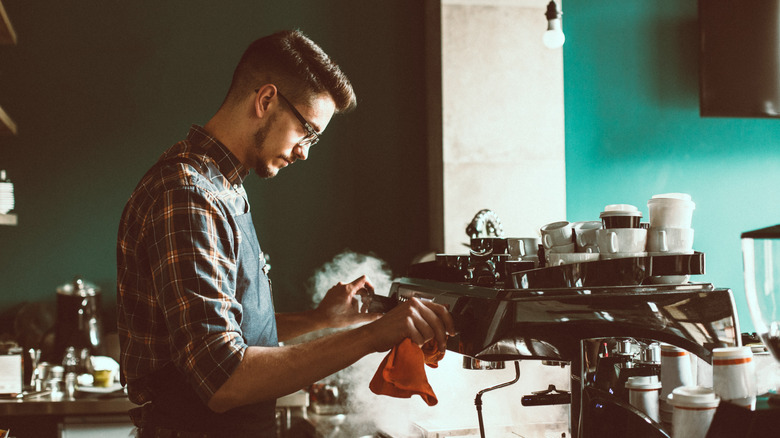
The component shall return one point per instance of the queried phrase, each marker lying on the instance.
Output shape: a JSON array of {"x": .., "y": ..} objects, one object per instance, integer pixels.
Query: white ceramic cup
[
  {"x": 585, "y": 233},
  {"x": 643, "y": 394},
  {"x": 694, "y": 408},
  {"x": 520, "y": 247},
  {"x": 557, "y": 259},
  {"x": 556, "y": 234},
  {"x": 671, "y": 210},
  {"x": 621, "y": 240},
  {"x": 734, "y": 375},
  {"x": 670, "y": 240}
]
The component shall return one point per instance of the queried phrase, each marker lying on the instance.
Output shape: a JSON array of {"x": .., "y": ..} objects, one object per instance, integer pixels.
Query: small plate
[{"x": 99, "y": 389}]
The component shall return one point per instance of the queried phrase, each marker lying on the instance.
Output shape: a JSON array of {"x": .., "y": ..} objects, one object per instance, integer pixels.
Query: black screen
[{"x": 739, "y": 58}]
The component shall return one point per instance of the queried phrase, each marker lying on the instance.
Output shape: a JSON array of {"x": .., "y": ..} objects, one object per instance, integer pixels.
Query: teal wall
[
  {"x": 100, "y": 89},
  {"x": 633, "y": 130}
]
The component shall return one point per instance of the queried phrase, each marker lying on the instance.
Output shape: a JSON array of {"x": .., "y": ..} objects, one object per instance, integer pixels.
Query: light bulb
[{"x": 554, "y": 37}]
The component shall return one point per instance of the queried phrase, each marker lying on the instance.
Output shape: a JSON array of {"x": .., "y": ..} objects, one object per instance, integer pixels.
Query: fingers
[
  {"x": 432, "y": 325},
  {"x": 361, "y": 283},
  {"x": 428, "y": 320}
]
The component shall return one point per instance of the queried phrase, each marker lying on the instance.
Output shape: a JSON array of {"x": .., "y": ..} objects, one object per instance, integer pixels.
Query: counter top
[{"x": 81, "y": 404}]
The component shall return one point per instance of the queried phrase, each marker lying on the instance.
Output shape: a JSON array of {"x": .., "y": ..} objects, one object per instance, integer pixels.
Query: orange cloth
[{"x": 402, "y": 374}]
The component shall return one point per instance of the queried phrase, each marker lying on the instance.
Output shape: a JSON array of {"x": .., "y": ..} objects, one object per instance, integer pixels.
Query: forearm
[
  {"x": 292, "y": 325},
  {"x": 266, "y": 373}
]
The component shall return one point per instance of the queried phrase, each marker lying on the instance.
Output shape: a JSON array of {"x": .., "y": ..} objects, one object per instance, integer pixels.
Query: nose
[{"x": 301, "y": 152}]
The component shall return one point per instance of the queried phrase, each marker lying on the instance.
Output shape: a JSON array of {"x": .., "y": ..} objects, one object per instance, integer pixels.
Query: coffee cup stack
[
  {"x": 559, "y": 247},
  {"x": 670, "y": 230},
  {"x": 524, "y": 249},
  {"x": 643, "y": 394},
  {"x": 585, "y": 234},
  {"x": 734, "y": 376},
  {"x": 622, "y": 234},
  {"x": 676, "y": 371},
  {"x": 694, "y": 409}
]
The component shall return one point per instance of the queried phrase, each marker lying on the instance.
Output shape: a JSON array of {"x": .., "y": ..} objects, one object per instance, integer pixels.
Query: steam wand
[{"x": 478, "y": 398}]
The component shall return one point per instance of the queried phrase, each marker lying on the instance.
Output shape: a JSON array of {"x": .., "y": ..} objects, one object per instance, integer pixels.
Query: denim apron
[{"x": 177, "y": 407}]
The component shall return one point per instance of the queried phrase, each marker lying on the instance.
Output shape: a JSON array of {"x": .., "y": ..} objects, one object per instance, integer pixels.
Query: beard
[{"x": 264, "y": 169}]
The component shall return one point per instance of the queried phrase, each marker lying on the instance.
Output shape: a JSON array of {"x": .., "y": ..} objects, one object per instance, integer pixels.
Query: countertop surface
[{"x": 62, "y": 405}]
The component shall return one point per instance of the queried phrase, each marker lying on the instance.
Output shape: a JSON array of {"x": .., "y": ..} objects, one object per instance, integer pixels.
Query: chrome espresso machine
[{"x": 596, "y": 316}]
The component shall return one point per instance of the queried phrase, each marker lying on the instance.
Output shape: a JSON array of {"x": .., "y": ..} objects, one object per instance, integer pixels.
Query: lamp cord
[{"x": 478, "y": 398}]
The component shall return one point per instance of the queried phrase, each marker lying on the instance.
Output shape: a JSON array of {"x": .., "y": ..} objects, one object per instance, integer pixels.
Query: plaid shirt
[{"x": 176, "y": 268}]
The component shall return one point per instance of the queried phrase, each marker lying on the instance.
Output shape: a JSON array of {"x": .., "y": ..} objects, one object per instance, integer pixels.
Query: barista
[{"x": 198, "y": 333}]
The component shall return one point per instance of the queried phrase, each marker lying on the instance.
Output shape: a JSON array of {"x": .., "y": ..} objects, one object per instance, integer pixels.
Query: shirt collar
[{"x": 228, "y": 164}]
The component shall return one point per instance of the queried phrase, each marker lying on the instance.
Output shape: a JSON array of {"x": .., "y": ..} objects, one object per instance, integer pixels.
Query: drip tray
[{"x": 540, "y": 430}]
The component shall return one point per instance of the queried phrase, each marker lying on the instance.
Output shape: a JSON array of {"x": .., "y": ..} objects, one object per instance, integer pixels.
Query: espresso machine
[{"x": 603, "y": 318}]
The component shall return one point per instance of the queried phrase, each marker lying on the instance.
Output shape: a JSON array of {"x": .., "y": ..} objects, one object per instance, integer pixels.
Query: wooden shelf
[
  {"x": 8, "y": 219},
  {"x": 7, "y": 33},
  {"x": 7, "y": 126}
]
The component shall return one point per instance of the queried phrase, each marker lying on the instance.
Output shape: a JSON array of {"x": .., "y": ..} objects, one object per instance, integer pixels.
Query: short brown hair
[{"x": 296, "y": 65}]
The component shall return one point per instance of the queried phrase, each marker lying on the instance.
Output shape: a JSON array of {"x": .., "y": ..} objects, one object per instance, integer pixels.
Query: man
[{"x": 198, "y": 334}]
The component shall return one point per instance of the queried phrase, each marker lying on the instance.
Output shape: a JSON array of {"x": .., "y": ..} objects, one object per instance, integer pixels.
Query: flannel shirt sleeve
[{"x": 192, "y": 249}]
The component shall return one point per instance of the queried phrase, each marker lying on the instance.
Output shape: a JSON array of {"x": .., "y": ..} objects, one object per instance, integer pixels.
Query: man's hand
[
  {"x": 418, "y": 320},
  {"x": 341, "y": 308}
]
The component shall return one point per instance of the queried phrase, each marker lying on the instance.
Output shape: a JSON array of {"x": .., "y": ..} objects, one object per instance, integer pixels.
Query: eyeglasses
[{"x": 312, "y": 137}]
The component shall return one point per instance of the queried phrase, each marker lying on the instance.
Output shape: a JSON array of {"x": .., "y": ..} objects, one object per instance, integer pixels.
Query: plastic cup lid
[
  {"x": 693, "y": 396},
  {"x": 683, "y": 196},
  {"x": 643, "y": 382},
  {"x": 672, "y": 201},
  {"x": 620, "y": 207}
]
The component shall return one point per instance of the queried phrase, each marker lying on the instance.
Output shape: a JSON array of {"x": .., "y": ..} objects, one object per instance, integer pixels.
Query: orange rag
[{"x": 402, "y": 374}]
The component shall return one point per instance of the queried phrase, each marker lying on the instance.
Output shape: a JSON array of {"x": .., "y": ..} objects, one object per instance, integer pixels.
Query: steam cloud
[{"x": 346, "y": 267}]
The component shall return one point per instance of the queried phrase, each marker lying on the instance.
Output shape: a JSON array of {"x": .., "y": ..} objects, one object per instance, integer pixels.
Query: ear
[{"x": 264, "y": 99}]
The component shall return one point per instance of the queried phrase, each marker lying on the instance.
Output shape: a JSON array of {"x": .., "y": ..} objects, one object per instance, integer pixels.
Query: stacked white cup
[
  {"x": 734, "y": 375},
  {"x": 643, "y": 394},
  {"x": 676, "y": 371},
  {"x": 694, "y": 409},
  {"x": 559, "y": 246},
  {"x": 670, "y": 229},
  {"x": 585, "y": 234}
]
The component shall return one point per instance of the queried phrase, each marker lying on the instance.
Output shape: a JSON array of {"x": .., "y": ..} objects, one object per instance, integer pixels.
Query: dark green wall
[
  {"x": 100, "y": 89},
  {"x": 633, "y": 130}
]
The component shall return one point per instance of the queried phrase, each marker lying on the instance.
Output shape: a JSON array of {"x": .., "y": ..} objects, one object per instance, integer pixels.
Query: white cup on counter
[
  {"x": 621, "y": 240},
  {"x": 694, "y": 409},
  {"x": 734, "y": 375},
  {"x": 557, "y": 236},
  {"x": 670, "y": 240},
  {"x": 671, "y": 210}
]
